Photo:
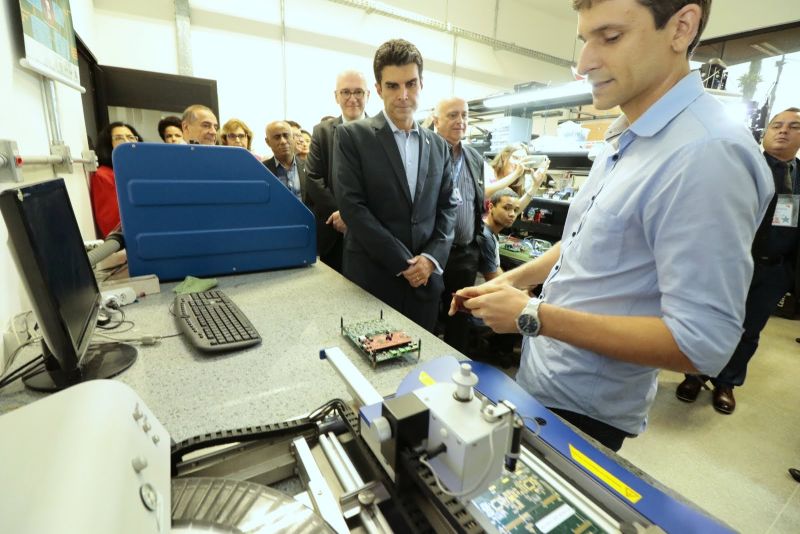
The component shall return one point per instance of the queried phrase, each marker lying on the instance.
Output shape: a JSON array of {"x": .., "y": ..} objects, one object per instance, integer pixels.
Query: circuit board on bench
[{"x": 379, "y": 341}]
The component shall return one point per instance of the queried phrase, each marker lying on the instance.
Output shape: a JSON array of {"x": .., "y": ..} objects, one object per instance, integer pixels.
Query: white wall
[
  {"x": 239, "y": 46},
  {"x": 23, "y": 120}
]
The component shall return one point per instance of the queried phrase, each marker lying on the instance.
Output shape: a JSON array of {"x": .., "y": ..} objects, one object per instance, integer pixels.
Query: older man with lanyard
[{"x": 450, "y": 120}]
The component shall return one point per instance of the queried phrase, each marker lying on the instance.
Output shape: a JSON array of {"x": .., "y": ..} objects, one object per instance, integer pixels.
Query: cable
[
  {"x": 17, "y": 351},
  {"x": 114, "y": 271},
  {"x": 538, "y": 426},
  {"x": 22, "y": 369},
  {"x": 424, "y": 461},
  {"x": 144, "y": 340}
]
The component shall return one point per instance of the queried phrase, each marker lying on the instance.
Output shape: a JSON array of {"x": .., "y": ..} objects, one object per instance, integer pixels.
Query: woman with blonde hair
[
  {"x": 236, "y": 133},
  {"x": 509, "y": 167}
]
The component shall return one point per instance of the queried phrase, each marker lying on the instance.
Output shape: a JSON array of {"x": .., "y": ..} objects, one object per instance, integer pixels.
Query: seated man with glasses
[
  {"x": 102, "y": 188},
  {"x": 199, "y": 125},
  {"x": 351, "y": 95}
]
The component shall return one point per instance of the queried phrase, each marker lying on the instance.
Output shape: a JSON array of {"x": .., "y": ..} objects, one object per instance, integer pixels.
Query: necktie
[{"x": 787, "y": 179}]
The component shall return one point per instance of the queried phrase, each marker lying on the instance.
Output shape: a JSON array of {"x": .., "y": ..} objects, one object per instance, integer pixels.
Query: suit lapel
[
  {"x": 424, "y": 156},
  {"x": 386, "y": 138}
]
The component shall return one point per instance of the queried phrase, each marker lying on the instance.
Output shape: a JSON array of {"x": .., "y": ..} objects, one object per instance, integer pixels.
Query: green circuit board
[
  {"x": 523, "y": 502},
  {"x": 379, "y": 341}
]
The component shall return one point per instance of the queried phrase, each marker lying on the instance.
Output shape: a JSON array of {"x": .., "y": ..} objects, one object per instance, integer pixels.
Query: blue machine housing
[{"x": 207, "y": 210}]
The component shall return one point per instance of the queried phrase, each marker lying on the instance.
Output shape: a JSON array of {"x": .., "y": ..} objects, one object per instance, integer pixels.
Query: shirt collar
[
  {"x": 345, "y": 120},
  {"x": 666, "y": 108},
  {"x": 290, "y": 167},
  {"x": 773, "y": 161},
  {"x": 395, "y": 129}
]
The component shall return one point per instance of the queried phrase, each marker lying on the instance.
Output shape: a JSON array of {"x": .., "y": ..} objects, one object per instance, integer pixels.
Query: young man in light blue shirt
[{"x": 653, "y": 266}]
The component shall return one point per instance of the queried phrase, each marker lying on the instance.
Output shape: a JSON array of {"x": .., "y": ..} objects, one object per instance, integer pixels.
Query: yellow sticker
[
  {"x": 610, "y": 480},
  {"x": 426, "y": 379}
]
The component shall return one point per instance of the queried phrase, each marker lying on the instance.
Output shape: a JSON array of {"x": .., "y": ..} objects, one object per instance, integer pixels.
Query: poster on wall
[{"x": 50, "y": 41}]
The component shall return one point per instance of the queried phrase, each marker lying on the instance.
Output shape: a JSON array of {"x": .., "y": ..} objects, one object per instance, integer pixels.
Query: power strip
[{"x": 142, "y": 285}]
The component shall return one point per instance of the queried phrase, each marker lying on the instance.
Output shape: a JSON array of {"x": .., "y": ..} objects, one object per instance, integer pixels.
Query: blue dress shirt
[
  {"x": 662, "y": 227},
  {"x": 289, "y": 177},
  {"x": 408, "y": 145}
]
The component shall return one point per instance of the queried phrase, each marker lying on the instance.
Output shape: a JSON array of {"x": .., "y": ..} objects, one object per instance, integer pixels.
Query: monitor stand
[{"x": 100, "y": 361}]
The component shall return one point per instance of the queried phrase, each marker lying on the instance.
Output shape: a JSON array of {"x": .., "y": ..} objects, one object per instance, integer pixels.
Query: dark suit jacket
[
  {"x": 385, "y": 226},
  {"x": 302, "y": 174},
  {"x": 320, "y": 185},
  {"x": 474, "y": 163}
]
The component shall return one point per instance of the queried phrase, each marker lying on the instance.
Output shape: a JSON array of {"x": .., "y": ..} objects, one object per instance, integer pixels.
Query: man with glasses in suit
[{"x": 351, "y": 95}]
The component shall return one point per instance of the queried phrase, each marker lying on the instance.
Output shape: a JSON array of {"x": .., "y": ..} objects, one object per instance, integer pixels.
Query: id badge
[
  {"x": 457, "y": 196},
  {"x": 786, "y": 211}
]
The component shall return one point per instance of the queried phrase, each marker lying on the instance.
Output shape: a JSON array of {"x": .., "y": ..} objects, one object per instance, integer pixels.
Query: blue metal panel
[{"x": 207, "y": 210}]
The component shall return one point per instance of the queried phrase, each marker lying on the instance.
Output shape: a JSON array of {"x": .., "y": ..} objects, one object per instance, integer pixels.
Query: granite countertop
[{"x": 297, "y": 312}]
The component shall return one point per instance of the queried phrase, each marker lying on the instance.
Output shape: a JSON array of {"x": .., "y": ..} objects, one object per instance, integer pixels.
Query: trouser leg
[{"x": 769, "y": 284}]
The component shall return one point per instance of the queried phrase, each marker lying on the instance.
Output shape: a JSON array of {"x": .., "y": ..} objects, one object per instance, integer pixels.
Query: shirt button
[
  {"x": 556, "y": 267},
  {"x": 573, "y": 234},
  {"x": 593, "y": 197},
  {"x": 615, "y": 157}
]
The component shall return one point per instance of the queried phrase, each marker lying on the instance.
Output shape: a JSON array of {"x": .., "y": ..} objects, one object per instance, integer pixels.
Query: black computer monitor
[{"x": 48, "y": 250}]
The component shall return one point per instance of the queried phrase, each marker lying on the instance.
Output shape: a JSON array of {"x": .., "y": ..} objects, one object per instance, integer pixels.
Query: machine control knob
[
  {"x": 464, "y": 379},
  {"x": 156, "y": 439},
  {"x": 145, "y": 425},
  {"x": 137, "y": 413},
  {"x": 139, "y": 463},
  {"x": 366, "y": 498},
  {"x": 149, "y": 496},
  {"x": 382, "y": 429}
]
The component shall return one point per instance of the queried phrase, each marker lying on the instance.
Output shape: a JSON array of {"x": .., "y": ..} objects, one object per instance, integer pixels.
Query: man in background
[
  {"x": 170, "y": 130},
  {"x": 394, "y": 187},
  {"x": 503, "y": 211},
  {"x": 288, "y": 169},
  {"x": 199, "y": 125},
  {"x": 351, "y": 95},
  {"x": 774, "y": 256},
  {"x": 450, "y": 120}
]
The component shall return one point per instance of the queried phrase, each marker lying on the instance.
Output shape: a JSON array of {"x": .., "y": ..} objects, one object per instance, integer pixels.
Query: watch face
[{"x": 528, "y": 324}]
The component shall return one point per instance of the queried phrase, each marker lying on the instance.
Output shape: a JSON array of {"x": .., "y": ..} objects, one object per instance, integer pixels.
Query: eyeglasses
[
  {"x": 347, "y": 93},
  {"x": 123, "y": 138},
  {"x": 235, "y": 136}
]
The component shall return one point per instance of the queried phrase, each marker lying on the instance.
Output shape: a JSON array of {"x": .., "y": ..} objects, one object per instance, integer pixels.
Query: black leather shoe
[
  {"x": 795, "y": 473},
  {"x": 723, "y": 399},
  {"x": 689, "y": 389}
]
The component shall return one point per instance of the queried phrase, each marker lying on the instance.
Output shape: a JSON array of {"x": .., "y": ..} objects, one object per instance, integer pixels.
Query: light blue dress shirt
[
  {"x": 408, "y": 145},
  {"x": 662, "y": 227},
  {"x": 289, "y": 177}
]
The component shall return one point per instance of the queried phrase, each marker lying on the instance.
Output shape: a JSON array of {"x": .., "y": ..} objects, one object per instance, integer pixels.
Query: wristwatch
[{"x": 528, "y": 321}]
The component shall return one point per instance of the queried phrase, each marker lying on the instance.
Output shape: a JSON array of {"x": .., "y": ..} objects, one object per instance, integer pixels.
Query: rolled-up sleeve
[{"x": 700, "y": 223}]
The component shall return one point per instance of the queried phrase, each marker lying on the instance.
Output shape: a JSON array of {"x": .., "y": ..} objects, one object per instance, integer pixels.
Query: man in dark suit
[
  {"x": 450, "y": 119},
  {"x": 291, "y": 171},
  {"x": 351, "y": 95},
  {"x": 395, "y": 193}
]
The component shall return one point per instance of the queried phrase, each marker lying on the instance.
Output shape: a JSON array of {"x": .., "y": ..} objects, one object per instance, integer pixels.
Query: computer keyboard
[{"x": 213, "y": 323}]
